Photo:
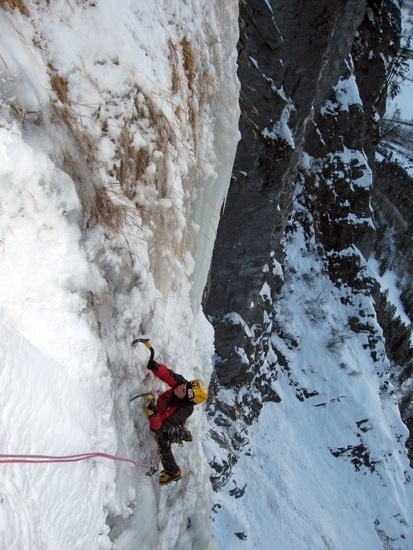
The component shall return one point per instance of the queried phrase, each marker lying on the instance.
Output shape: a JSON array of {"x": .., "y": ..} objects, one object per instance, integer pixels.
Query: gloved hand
[
  {"x": 150, "y": 409},
  {"x": 152, "y": 365},
  {"x": 151, "y": 413}
]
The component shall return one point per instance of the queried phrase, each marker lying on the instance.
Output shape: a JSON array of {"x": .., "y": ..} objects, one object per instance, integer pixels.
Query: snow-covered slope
[
  {"x": 326, "y": 466},
  {"x": 118, "y": 128}
]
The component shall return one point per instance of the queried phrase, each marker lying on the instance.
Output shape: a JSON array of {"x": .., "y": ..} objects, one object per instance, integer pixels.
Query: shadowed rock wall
[
  {"x": 292, "y": 57},
  {"x": 289, "y": 58}
]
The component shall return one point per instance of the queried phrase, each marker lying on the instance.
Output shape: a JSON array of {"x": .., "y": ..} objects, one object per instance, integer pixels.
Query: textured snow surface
[{"x": 138, "y": 99}]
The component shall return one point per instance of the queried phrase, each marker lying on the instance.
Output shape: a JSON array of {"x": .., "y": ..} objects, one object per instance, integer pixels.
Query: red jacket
[{"x": 171, "y": 410}]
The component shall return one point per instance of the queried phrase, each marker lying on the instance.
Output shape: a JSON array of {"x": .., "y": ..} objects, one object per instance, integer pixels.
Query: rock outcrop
[
  {"x": 314, "y": 80},
  {"x": 289, "y": 59}
]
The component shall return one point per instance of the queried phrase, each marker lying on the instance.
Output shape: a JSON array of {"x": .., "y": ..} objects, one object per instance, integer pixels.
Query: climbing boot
[{"x": 166, "y": 478}]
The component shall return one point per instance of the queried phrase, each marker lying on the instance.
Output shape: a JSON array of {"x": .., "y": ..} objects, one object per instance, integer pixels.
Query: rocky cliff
[{"x": 314, "y": 79}]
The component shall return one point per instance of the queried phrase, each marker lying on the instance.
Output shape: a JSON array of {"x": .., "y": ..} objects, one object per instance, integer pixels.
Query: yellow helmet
[{"x": 196, "y": 392}]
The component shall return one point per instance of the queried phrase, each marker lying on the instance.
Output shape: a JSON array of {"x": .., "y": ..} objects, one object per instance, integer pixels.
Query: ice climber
[{"x": 167, "y": 417}]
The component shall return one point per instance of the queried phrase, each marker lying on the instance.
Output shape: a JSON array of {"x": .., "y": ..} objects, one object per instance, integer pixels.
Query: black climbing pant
[{"x": 167, "y": 457}]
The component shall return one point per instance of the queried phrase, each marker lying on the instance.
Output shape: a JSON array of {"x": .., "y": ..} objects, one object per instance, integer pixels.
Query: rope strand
[{"x": 48, "y": 459}]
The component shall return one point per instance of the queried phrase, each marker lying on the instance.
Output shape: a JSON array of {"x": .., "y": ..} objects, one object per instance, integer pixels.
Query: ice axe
[
  {"x": 148, "y": 344},
  {"x": 146, "y": 393}
]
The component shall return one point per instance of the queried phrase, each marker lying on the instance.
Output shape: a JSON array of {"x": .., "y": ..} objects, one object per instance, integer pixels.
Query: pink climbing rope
[{"x": 47, "y": 459}]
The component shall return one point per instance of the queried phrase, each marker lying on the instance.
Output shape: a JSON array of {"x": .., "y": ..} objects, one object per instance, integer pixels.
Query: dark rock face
[
  {"x": 393, "y": 205},
  {"x": 291, "y": 62},
  {"x": 288, "y": 61}
]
